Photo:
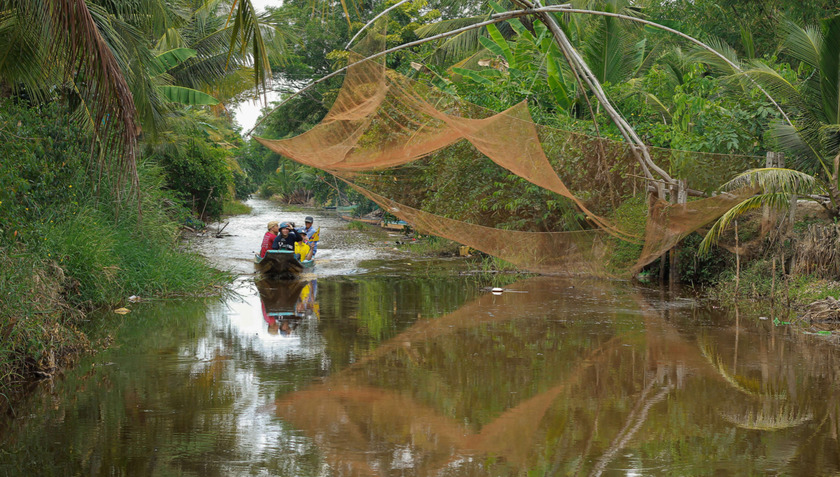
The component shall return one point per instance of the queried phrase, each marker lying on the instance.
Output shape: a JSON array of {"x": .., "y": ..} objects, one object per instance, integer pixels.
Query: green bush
[
  {"x": 199, "y": 173},
  {"x": 68, "y": 243}
]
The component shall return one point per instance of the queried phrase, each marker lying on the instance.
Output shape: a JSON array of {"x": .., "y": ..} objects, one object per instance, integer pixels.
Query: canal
[{"x": 381, "y": 363}]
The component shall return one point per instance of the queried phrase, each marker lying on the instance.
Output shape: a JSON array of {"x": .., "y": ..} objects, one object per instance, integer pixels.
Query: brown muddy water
[{"x": 378, "y": 363}]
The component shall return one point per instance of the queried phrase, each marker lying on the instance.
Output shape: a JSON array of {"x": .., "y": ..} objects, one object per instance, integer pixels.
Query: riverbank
[
  {"x": 48, "y": 300},
  {"x": 75, "y": 238}
]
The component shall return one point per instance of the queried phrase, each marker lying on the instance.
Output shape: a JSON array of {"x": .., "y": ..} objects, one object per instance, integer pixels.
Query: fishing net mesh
[{"x": 384, "y": 127}]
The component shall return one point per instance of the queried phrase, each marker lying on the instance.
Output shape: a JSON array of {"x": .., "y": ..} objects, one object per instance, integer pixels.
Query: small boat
[
  {"x": 399, "y": 225},
  {"x": 282, "y": 264},
  {"x": 349, "y": 218}
]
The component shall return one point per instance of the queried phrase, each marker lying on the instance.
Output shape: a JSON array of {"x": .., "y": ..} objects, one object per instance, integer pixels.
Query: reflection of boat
[
  {"x": 307, "y": 304},
  {"x": 279, "y": 297},
  {"x": 282, "y": 264},
  {"x": 285, "y": 303}
]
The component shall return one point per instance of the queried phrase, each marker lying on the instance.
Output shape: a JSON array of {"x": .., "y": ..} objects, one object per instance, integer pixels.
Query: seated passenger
[
  {"x": 268, "y": 238},
  {"x": 286, "y": 240},
  {"x": 303, "y": 250},
  {"x": 312, "y": 235}
]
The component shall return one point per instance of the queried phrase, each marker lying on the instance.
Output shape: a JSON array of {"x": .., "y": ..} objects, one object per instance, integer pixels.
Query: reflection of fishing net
[{"x": 383, "y": 123}]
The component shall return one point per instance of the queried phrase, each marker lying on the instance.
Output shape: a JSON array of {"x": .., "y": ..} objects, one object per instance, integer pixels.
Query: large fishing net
[{"x": 384, "y": 128}]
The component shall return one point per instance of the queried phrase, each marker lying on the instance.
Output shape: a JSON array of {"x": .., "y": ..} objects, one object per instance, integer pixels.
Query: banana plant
[{"x": 165, "y": 62}]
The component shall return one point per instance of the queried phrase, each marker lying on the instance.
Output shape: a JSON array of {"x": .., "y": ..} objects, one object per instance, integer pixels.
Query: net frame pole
[{"x": 640, "y": 150}]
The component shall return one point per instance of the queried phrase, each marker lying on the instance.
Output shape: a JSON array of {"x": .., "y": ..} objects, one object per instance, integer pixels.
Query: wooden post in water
[
  {"x": 679, "y": 196},
  {"x": 660, "y": 190}
]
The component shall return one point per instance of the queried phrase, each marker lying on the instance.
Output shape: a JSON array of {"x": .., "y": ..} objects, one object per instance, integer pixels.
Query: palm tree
[
  {"x": 97, "y": 53},
  {"x": 813, "y": 138}
]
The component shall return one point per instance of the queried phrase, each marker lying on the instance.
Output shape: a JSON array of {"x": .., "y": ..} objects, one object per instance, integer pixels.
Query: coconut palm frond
[
  {"x": 171, "y": 39},
  {"x": 716, "y": 62},
  {"x": 77, "y": 43},
  {"x": 277, "y": 41},
  {"x": 777, "y": 186},
  {"x": 803, "y": 44},
  {"x": 22, "y": 52},
  {"x": 649, "y": 56},
  {"x": 713, "y": 235},
  {"x": 830, "y": 134},
  {"x": 651, "y": 100},
  {"x": 776, "y": 85},
  {"x": 247, "y": 33},
  {"x": 801, "y": 142},
  {"x": 748, "y": 41},
  {"x": 608, "y": 51},
  {"x": 829, "y": 67},
  {"x": 459, "y": 46},
  {"x": 775, "y": 180}
]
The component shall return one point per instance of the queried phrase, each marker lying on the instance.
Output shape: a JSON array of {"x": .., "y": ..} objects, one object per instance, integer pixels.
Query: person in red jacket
[{"x": 268, "y": 238}]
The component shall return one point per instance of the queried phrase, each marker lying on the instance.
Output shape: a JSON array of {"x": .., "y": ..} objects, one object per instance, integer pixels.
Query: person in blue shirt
[
  {"x": 286, "y": 238},
  {"x": 312, "y": 234}
]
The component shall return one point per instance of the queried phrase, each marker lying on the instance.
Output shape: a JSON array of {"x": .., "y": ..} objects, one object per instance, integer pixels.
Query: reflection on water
[{"x": 401, "y": 375}]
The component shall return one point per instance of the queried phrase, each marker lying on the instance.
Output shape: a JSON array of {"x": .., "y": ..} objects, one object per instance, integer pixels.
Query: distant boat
[
  {"x": 349, "y": 218},
  {"x": 398, "y": 225},
  {"x": 281, "y": 264}
]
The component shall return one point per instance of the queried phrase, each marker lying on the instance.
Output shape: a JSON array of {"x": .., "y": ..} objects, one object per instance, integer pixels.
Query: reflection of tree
[
  {"x": 768, "y": 409},
  {"x": 505, "y": 385},
  {"x": 750, "y": 387},
  {"x": 634, "y": 421},
  {"x": 442, "y": 353},
  {"x": 769, "y": 418}
]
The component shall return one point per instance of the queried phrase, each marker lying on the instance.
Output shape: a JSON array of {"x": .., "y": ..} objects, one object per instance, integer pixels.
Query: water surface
[{"x": 382, "y": 364}]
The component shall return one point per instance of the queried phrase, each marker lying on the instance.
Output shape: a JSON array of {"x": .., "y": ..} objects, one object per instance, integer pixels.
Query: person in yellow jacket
[{"x": 303, "y": 250}]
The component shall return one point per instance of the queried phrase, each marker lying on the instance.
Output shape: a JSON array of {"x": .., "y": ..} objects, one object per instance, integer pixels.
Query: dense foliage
[{"x": 66, "y": 244}]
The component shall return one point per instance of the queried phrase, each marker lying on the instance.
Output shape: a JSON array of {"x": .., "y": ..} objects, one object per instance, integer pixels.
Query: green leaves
[
  {"x": 246, "y": 33},
  {"x": 170, "y": 59},
  {"x": 187, "y": 96},
  {"x": 777, "y": 187},
  {"x": 497, "y": 44}
]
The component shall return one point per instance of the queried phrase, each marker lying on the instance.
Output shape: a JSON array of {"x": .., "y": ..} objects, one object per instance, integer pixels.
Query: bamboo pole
[
  {"x": 639, "y": 149},
  {"x": 737, "y": 262}
]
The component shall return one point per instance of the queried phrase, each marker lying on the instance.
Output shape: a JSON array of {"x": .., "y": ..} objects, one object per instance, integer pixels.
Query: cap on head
[
  {"x": 272, "y": 224},
  {"x": 308, "y": 219},
  {"x": 284, "y": 225}
]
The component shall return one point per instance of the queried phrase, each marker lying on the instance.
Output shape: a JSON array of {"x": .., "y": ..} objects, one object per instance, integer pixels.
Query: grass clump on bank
[
  {"x": 68, "y": 245},
  {"x": 235, "y": 207}
]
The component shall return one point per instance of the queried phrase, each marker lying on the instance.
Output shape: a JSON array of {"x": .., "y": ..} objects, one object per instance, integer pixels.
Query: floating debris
[{"x": 823, "y": 311}]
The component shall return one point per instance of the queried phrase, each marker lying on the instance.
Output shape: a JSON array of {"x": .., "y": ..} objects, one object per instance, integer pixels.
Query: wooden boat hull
[{"x": 281, "y": 264}]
